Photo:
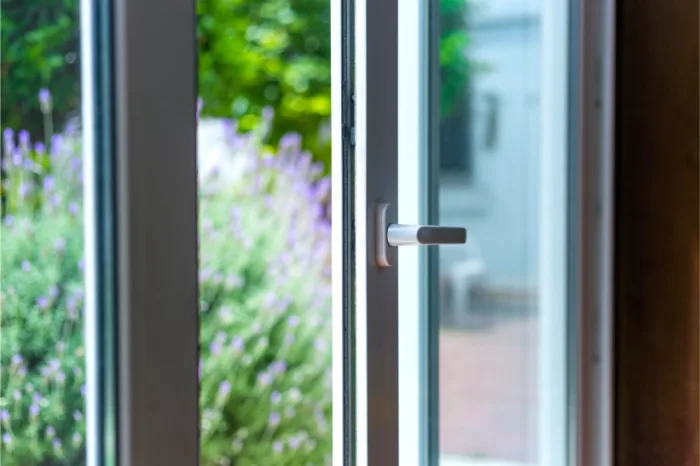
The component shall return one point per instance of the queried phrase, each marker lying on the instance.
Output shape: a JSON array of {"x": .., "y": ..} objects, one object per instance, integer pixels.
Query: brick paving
[{"x": 488, "y": 387}]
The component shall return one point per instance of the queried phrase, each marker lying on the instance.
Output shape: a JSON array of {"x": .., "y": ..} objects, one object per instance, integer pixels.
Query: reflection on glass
[
  {"x": 264, "y": 232},
  {"x": 489, "y": 165},
  {"x": 42, "y": 376}
]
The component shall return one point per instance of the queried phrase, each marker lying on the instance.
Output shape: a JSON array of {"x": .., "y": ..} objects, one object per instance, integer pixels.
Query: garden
[{"x": 265, "y": 282}]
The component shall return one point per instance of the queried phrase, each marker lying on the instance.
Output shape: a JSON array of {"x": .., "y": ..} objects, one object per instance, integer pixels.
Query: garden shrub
[{"x": 265, "y": 364}]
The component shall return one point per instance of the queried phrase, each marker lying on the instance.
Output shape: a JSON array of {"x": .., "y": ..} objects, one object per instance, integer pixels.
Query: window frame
[{"x": 139, "y": 80}]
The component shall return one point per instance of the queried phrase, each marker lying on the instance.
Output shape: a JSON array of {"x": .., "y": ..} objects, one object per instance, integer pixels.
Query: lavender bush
[{"x": 264, "y": 306}]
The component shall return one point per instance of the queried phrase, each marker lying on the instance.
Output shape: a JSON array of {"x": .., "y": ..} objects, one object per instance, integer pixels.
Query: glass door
[{"x": 473, "y": 166}]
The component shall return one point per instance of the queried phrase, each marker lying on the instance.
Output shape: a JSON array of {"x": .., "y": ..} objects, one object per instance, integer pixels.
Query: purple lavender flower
[
  {"x": 77, "y": 415},
  {"x": 290, "y": 141},
  {"x": 24, "y": 189},
  {"x": 83, "y": 390},
  {"x": 320, "y": 344},
  {"x": 204, "y": 274},
  {"x": 71, "y": 128},
  {"x": 323, "y": 188},
  {"x": 224, "y": 388},
  {"x": 293, "y": 321},
  {"x": 50, "y": 432},
  {"x": 26, "y": 266},
  {"x": 9, "y": 220},
  {"x": 283, "y": 304},
  {"x": 56, "y": 144},
  {"x": 60, "y": 377},
  {"x": 53, "y": 291},
  {"x": 33, "y": 410},
  {"x": 237, "y": 344},
  {"x": 6, "y": 438},
  {"x": 17, "y": 158},
  {"x": 278, "y": 367},
  {"x": 294, "y": 442},
  {"x": 45, "y": 100},
  {"x": 275, "y": 397},
  {"x": 42, "y": 302},
  {"x": 37, "y": 398},
  {"x": 268, "y": 113},
  {"x": 269, "y": 299},
  {"x": 73, "y": 208},
  {"x": 77, "y": 438},
  {"x": 24, "y": 139},
  {"x": 22, "y": 371},
  {"x": 4, "y": 415},
  {"x": 49, "y": 183},
  {"x": 265, "y": 378},
  {"x": 57, "y": 443},
  {"x": 274, "y": 419},
  {"x": 278, "y": 446},
  {"x": 76, "y": 164},
  {"x": 215, "y": 347},
  {"x": 81, "y": 266},
  {"x": 8, "y": 137},
  {"x": 16, "y": 359},
  {"x": 17, "y": 395},
  {"x": 40, "y": 148}
]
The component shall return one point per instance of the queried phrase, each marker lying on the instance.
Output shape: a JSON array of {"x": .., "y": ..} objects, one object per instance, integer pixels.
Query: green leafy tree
[
  {"x": 40, "y": 49},
  {"x": 254, "y": 54}
]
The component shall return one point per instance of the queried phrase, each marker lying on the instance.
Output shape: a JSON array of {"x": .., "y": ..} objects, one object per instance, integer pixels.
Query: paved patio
[{"x": 488, "y": 387}]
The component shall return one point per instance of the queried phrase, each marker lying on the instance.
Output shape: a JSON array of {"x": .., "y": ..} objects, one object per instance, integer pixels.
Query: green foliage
[
  {"x": 40, "y": 49},
  {"x": 252, "y": 54},
  {"x": 264, "y": 311},
  {"x": 454, "y": 65}
]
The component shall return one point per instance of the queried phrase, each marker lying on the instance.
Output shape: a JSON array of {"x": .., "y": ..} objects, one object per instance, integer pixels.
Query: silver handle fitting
[{"x": 411, "y": 235}]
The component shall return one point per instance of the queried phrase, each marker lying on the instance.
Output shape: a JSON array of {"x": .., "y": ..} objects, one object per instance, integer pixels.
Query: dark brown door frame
[{"x": 656, "y": 234}]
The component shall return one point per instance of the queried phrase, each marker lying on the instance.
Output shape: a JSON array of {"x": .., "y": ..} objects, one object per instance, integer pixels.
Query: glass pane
[
  {"x": 499, "y": 314},
  {"x": 42, "y": 347},
  {"x": 265, "y": 239}
]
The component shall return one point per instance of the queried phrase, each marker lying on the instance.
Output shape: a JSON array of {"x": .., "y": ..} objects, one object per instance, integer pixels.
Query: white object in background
[
  {"x": 217, "y": 161},
  {"x": 463, "y": 275}
]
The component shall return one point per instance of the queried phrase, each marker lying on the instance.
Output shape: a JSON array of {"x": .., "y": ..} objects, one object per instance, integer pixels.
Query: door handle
[{"x": 410, "y": 235}]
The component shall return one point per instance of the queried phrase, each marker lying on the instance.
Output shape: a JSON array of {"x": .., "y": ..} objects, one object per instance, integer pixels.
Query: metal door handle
[
  {"x": 410, "y": 235},
  {"x": 416, "y": 235}
]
